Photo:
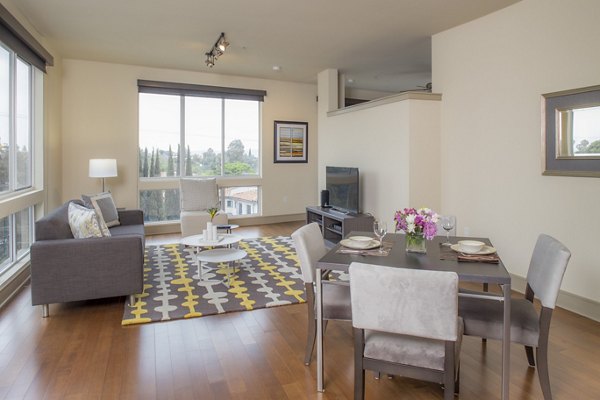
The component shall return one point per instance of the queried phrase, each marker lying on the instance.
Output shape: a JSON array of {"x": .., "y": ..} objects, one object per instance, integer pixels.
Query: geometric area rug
[{"x": 269, "y": 276}]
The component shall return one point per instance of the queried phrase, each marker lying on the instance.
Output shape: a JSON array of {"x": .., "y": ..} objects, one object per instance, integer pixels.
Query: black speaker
[{"x": 325, "y": 198}]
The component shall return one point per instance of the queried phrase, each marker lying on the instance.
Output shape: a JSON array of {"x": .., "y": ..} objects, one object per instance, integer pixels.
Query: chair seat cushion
[
  {"x": 409, "y": 350},
  {"x": 484, "y": 318},
  {"x": 336, "y": 302}
]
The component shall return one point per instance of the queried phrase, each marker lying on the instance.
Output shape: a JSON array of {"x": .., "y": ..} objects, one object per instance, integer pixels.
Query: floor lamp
[{"x": 103, "y": 168}]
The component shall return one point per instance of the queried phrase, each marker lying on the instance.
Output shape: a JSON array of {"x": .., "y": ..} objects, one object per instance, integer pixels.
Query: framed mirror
[{"x": 571, "y": 132}]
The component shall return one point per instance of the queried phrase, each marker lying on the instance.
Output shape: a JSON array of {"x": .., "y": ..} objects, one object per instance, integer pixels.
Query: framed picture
[
  {"x": 571, "y": 132},
  {"x": 291, "y": 142}
]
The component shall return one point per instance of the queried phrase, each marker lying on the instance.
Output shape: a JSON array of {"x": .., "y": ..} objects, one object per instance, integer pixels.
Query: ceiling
[{"x": 379, "y": 44}]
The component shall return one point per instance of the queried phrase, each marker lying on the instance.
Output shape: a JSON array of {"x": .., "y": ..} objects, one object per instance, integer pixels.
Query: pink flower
[{"x": 423, "y": 219}]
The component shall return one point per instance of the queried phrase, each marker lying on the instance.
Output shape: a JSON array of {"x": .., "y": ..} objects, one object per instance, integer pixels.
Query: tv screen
[{"x": 342, "y": 184}]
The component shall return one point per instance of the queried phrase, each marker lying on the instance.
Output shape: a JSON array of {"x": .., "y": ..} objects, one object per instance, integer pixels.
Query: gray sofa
[{"x": 67, "y": 269}]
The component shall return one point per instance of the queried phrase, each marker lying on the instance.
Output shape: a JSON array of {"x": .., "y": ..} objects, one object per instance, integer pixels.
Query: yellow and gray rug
[{"x": 269, "y": 276}]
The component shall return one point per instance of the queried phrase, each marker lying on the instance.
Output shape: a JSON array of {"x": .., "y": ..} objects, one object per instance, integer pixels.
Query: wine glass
[
  {"x": 448, "y": 223},
  {"x": 380, "y": 230}
]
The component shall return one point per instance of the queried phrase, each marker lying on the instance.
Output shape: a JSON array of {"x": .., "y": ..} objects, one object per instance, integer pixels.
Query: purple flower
[{"x": 423, "y": 220}]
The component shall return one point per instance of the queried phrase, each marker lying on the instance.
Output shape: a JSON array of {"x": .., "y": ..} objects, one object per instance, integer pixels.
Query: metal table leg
[
  {"x": 319, "y": 301},
  {"x": 506, "y": 343}
]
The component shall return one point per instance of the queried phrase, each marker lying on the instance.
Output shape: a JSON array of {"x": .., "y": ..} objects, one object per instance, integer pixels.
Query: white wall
[
  {"x": 395, "y": 147},
  {"x": 492, "y": 72},
  {"x": 100, "y": 120}
]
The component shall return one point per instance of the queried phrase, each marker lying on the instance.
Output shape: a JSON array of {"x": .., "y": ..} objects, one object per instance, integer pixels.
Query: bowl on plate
[
  {"x": 360, "y": 241},
  {"x": 470, "y": 246}
]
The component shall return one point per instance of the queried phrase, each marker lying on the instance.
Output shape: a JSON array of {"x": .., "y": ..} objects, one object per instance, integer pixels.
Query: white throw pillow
[{"x": 84, "y": 222}]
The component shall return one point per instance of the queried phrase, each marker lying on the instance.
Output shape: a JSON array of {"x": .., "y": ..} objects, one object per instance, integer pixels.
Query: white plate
[
  {"x": 485, "y": 250},
  {"x": 359, "y": 246},
  {"x": 363, "y": 239}
]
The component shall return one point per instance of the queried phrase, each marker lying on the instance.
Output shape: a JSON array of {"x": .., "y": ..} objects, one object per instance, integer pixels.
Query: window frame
[{"x": 224, "y": 181}]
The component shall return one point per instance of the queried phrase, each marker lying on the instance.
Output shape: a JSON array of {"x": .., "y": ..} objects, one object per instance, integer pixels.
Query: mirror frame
[{"x": 552, "y": 103}]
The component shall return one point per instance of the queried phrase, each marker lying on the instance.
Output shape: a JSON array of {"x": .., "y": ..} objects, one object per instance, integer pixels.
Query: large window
[
  {"x": 23, "y": 62},
  {"x": 16, "y": 155},
  {"x": 197, "y": 131}
]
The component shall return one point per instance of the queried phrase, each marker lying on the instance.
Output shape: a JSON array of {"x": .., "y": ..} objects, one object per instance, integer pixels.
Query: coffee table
[
  {"x": 221, "y": 255},
  {"x": 215, "y": 256}
]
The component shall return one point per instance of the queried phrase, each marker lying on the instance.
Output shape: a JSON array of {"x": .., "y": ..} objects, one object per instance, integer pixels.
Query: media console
[{"x": 335, "y": 225}]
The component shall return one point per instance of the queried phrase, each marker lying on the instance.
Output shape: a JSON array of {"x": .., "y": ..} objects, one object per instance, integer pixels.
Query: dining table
[{"x": 435, "y": 258}]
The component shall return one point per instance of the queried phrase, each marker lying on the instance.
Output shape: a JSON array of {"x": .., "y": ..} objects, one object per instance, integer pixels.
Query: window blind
[
  {"x": 187, "y": 89},
  {"x": 18, "y": 39}
]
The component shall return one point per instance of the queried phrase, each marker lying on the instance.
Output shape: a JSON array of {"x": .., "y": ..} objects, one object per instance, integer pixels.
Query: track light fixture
[{"x": 217, "y": 50}]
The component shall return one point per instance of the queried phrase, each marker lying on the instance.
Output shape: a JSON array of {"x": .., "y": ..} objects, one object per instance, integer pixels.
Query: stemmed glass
[
  {"x": 380, "y": 230},
  {"x": 448, "y": 223}
]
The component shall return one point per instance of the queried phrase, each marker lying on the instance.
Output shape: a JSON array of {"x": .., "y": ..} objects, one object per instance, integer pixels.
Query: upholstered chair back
[
  {"x": 404, "y": 301},
  {"x": 310, "y": 247},
  {"x": 547, "y": 268},
  {"x": 198, "y": 194}
]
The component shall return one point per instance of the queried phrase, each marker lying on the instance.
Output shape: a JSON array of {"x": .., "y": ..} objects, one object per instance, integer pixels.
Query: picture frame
[
  {"x": 568, "y": 117},
  {"x": 290, "y": 142}
]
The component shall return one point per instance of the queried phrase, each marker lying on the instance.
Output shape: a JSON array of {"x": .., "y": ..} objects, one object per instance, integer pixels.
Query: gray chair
[
  {"x": 310, "y": 247},
  {"x": 405, "y": 323},
  {"x": 484, "y": 318}
]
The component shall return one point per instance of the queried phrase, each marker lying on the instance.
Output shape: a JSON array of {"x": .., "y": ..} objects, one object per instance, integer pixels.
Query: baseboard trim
[
  {"x": 12, "y": 285},
  {"x": 163, "y": 228},
  {"x": 569, "y": 301},
  {"x": 267, "y": 220}
]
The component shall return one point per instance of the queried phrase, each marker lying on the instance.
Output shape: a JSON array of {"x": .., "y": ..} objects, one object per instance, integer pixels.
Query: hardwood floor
[{"x": 82, "y": 352}]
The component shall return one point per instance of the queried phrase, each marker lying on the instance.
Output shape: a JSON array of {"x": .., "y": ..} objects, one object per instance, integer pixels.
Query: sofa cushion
[
  {"x": 198, "y": 194},
  {"x": 104, "y": 205},
  {"x": 84, "y": 222},
  {"x": 123, "y": 230}
]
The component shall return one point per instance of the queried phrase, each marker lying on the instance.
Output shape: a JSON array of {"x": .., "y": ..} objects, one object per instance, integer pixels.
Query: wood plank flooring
[{"x": 82, "y": 352}]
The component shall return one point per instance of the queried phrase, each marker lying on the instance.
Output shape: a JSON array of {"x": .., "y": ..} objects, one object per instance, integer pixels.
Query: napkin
[
  {"x": 387, "y": 247},
  {"x": 487, "y": 258}
]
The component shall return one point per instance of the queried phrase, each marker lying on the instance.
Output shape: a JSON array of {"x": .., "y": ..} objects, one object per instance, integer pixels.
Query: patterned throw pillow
[
  {"x": 104, "y": 205},
  {"x": 83, "y": 222}
]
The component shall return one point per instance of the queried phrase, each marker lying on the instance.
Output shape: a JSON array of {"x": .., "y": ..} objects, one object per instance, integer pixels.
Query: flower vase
[{"x": 415, "y": 243}]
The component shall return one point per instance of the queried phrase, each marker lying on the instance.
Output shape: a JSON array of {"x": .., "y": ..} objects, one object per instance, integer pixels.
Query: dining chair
[
  {"x": 483, "y": 318},
  {"x": 310, "y": 247},
  {"x": 405, "y": 323}
]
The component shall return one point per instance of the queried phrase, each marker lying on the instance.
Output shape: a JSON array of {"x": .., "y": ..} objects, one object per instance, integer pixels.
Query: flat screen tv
[{"x": 342, "y": 184}]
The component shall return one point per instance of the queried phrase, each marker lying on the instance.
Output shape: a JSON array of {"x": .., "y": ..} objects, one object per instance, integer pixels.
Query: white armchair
[{"x": 197, "y": 196}]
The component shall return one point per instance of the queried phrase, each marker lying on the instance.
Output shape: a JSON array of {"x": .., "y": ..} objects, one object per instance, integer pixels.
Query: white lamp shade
[{"x": 103, "y": 168}]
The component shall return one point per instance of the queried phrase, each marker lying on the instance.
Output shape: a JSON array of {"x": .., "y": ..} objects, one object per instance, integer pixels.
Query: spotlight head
[
  {"x": 222, "y": 44},
  {"x": 210, "y": 60}
]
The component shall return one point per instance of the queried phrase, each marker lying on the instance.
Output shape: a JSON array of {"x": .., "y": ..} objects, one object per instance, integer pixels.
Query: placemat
[{"x": 446, "y": 253}]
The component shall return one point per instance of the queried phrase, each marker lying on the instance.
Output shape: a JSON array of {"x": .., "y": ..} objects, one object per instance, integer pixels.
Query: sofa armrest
[
  {"x": 80, "y": 269},
  {"x": 131, "y": 217}
]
